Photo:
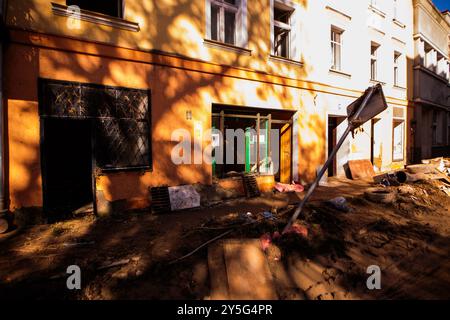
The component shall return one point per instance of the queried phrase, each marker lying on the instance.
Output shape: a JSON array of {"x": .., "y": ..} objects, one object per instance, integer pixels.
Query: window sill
[
  {"x": 374, "y": 81},
  {"x": 226, "y": 46},
  {"x": 285, "y": 60},
  {"x": 398, "y": 23},
  {"x": 399, "y": 87},
  {"x": 97, "y": 18},
  {"x": 110, "y": 170},
  {"x": 377, "y": 11},
  {"x": 377, "y": 30},
  {"x": 341, "y": 73}
]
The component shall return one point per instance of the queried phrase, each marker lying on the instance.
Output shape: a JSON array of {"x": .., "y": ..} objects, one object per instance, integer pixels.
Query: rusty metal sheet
[{"x": 361, "y": 169}]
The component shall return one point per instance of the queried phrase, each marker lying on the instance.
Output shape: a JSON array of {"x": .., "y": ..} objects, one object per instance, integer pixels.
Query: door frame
[
  {"x": 341, "y": 118},
  {"x": 44, "y": 167},
  {"x": 290, "y": 127}
]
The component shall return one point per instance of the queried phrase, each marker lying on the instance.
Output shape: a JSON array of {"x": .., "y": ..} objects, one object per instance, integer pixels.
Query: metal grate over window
[{"x": 121, "y": 119}]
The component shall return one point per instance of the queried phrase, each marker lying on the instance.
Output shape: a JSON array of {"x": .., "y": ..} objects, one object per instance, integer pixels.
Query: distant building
[{"x": 431, "y": 124}]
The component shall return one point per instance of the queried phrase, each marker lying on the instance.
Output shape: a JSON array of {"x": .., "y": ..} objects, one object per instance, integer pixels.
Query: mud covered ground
[{"x": 408, "y": 239}]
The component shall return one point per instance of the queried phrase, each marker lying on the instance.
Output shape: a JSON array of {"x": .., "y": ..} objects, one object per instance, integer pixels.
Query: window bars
[{"x": 121, "y": 119}]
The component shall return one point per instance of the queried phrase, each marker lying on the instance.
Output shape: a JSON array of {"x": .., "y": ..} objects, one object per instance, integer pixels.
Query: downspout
[{"x": 3, "y": 201}]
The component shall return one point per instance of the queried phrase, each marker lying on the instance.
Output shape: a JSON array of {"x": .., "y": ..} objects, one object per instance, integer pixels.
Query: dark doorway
[
  {"x": 67, "y": 166},
  {"x": 332, "y": 125}
]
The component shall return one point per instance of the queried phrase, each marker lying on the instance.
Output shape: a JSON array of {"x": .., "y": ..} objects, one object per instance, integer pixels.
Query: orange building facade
[{"x": 188, "y": 73}]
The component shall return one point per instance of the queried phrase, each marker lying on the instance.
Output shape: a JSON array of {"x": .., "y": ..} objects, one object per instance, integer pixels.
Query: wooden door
[{"x": 286, "y": 154}]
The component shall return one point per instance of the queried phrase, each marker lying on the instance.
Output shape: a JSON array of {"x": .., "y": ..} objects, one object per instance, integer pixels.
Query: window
[
  {"x": 398, "y": 140},
  {"x": 437, "y": 128},
  {"x": 397, "y": 56},
  {"x": 282, "y": 30},
  {"x": 226, "y": 21},
  {"x": 395, "y": 10},
  {"x": 336, "y": 49},
  {"x": 374, "y": 61},
  {"x": 112, "y": 8},
  {"x": 120, "y": 117}
]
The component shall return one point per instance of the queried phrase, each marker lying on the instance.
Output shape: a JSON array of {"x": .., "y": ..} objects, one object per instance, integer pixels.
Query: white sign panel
[{"x": 183, "y": 197}]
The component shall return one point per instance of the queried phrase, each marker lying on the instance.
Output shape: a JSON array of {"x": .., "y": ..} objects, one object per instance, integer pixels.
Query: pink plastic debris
[
  {"x": 266, "y": 241},
  {"x": 294, "y": 187},
  {"x": 298, "y": 229},
  {"x": 276, "y": 235}
]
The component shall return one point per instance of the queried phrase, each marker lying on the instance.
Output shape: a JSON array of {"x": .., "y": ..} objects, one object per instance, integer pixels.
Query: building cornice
[
  {"x": 435, "y": 12},
  {"x": 346, "y": 16}
]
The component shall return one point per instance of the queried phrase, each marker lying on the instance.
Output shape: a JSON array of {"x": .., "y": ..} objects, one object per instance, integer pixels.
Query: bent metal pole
[{"x": 351, "y": 126}]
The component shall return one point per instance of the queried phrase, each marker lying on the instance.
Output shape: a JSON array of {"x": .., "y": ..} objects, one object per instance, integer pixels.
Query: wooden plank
[
  {"x": 247, "y": 269},
  {"x": 217, "y": 272}
]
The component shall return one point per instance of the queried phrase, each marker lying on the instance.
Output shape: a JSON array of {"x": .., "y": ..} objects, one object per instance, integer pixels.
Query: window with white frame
[
  {"x": 226, "y": 21},
  {"x": 397, "y": 62},
  {"x": 396, "y": 10},
  {"x": 374, "y": 48},
  {"x": 336, "y": 48},
  {"x": 283, "y": 33}
]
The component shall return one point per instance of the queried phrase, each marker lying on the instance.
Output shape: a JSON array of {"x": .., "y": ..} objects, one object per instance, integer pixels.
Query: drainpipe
[{"x": 3, "y": 202}]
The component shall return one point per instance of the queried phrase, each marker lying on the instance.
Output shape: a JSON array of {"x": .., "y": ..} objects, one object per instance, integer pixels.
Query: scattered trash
[
  {"x": 246, "y": 217},
  {"x": 361, "y": 169},
  {"x": 297, "y": 229},
  {"x": 339, "y": 203},
  {"x": 268, "y": 215},
  {"x": 380, "y": 196},
  {"x": 114, "y": 264},
  {"x": 183, "y": 197},
  {"x": 445, "y": 189},
  {"x": 390, "y": 179},
  {"x": 266, "y": 241},
  {"x": 294, "y": 187},
  {"x": 406, "y": 189},
  {"x": 203, "y": 245},
  {"x": 276, "y": 235},
  {"x": 78, "y": 244}
]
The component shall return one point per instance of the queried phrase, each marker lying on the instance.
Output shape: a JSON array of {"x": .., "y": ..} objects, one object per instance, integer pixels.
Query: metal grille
[
  {"x": 65, "y": 100},
  {"x": 122, "y": 143},
  {"x": 121, "y": 117}
]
